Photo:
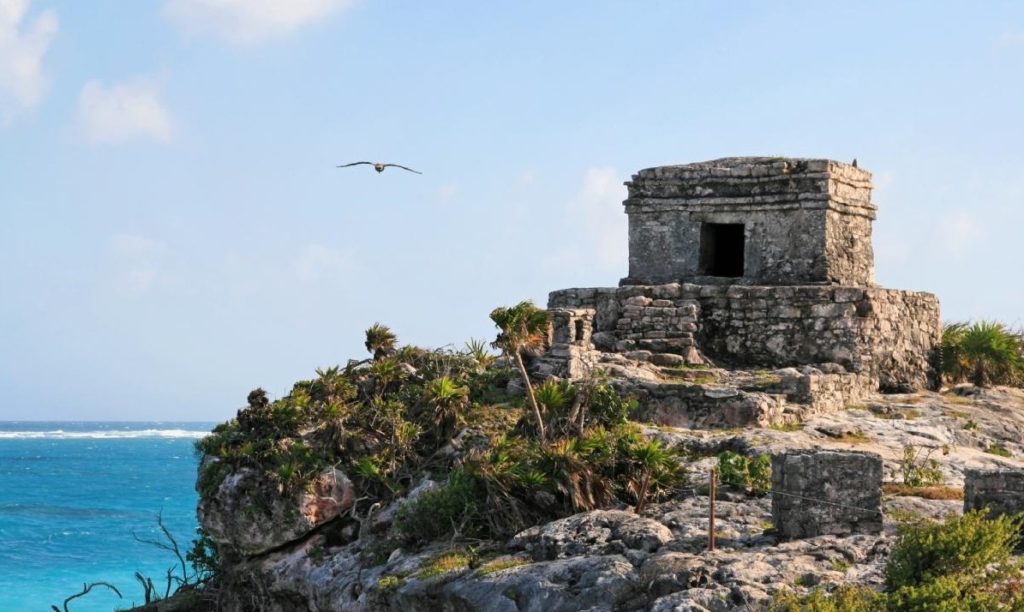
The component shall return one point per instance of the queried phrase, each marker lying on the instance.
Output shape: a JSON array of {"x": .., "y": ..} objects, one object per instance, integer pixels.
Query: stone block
[
  {"x": 822, "y": 492},
  {"x": 1001, "y": 491}
]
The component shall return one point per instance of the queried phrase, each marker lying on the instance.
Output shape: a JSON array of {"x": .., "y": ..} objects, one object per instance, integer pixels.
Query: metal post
[{"x": 711, "y": 514}]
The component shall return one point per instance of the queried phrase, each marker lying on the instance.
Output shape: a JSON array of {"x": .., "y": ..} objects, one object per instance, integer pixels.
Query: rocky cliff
[{"x": 335, "y": 510}]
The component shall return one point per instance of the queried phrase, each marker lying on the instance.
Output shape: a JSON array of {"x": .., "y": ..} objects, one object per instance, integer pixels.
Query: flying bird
[{"x": 378, "y": 166}]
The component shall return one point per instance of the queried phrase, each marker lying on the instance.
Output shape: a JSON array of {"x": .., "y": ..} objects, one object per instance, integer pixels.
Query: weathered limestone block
[
  {"x": 249, "y": 514},
  {"x": 1001, "y": 491},
  {"x": 826, "y": 492}
]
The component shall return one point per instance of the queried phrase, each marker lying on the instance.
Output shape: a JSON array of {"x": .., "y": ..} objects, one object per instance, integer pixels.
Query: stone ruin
[
  {"x": 820, "y": 492},
  {"x": 1000, "y": 491},
  {"x": 750, "y": 298}
]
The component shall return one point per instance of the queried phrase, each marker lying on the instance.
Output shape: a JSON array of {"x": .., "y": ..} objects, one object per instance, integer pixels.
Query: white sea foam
[{"x": 59, "y": 434}]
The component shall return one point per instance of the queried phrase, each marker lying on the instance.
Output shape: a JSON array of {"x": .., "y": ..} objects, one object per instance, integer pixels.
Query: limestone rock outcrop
[{"x": 249, "y": 515}]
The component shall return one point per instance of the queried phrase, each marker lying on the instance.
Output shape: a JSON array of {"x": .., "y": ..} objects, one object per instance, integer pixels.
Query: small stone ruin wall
[
  {"x": 1001, "y": 491},
  {"x": 826, "y": 492},
  {"x": 887, "y": 335}
]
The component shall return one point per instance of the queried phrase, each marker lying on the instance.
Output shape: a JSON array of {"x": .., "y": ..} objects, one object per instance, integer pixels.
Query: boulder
[
  {"x": 599, "y": 532},
  {"x": 250, "y": 515}
]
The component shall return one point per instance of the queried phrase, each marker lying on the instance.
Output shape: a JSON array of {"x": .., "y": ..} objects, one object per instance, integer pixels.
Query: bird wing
[
  {"x": 355, "y": 164},
  {"x": 403, "y": 168}
]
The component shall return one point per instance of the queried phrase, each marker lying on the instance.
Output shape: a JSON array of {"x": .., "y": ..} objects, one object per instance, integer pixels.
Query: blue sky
[{"x": 174, "y": 232}]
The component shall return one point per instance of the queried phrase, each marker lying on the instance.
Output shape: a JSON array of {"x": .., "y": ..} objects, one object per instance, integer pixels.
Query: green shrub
[
  {"x": 998, "y": 450},
  {"x": 963, "y": 563},
  {"x": 608, "y": 408},
  {"x": 842, "y": 599},
  {"x": 437, "y": 512},
  {"x": 741, "y": 472},
  {"x": 963, "y": 546},
  {"x": 984, "y": 353},
  {"x": 919, "y": 470}
]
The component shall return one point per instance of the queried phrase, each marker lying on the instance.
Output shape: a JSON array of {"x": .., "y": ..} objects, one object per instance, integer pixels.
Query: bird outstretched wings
[{"x": 379, "y": 166}]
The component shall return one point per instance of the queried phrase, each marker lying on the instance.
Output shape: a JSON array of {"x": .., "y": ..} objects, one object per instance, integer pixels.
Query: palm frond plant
[
  {"x": 572, "y": 477},
  {"x": 380, "y": 341},
  {"x": 554, "y": 397},
  {"x": 983, "y": 353},
  {"x": 651, "y": 463},
  {"x": 522, "y": 327}
]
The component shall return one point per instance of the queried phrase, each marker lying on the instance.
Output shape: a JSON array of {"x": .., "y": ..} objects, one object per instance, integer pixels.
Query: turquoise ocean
[{"x": 72, "y": 494}]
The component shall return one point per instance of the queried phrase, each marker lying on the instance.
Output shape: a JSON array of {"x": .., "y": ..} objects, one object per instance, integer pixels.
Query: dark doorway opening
[{"x": 721, "y": 249}]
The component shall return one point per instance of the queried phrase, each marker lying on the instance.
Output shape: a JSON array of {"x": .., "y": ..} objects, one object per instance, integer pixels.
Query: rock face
[
  {"x": 1000, "y": 491},
  {"x": 826, "y": 492},
  {"x": 617, "y": 560},
  {"x": 249, "y": 516}
]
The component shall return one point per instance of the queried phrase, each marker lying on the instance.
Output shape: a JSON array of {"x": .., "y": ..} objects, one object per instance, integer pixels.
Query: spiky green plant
[
  {"x": 555, "y": 396},
  {"x": 477, "y": 350},
  {"x": 650, "y": 461},
  {"x": 983, "y": 353},
  {"x": 572, "y": 477},
  {"x": 522, "y": 327},
  {"x": 380, "y": 341},
  {"x": 448, "y": 399}
]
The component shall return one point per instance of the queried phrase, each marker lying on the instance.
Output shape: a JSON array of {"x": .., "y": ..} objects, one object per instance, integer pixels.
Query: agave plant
[
  {"x": 380, "y": 341},
  {"x": 477, "y": 350},
  {"x": 522, "y": 327}
]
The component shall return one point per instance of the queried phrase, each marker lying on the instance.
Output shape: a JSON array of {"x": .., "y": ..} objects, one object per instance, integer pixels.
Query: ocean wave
[{"x": 59, "y": 434}]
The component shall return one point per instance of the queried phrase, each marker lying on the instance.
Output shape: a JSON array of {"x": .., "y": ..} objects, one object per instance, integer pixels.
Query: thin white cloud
[
  {"x": 139, "y": 263},
  {"x": 249, "y": 21},
  {"x": 595, "y": 230},
  {"x": 597, "y": 211},
  {"x": 528, "y": 178},
  {"x": 957, "y": 231},
  {"x": 23, "y": 43},
  {"x": 1010, "y": 39},
  {"x": 318, "y": 262},
  {"x": 448, "y": 192},
  {"x": 124, "y": 112}
]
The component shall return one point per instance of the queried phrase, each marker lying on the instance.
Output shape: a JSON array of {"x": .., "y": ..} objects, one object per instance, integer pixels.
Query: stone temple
[{"x": 750, "y": 298}]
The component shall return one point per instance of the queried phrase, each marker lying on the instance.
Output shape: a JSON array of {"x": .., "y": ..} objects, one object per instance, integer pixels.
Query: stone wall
[
  {"x": 826, "y": 492},
  {"x": 887, "y": 335},
  {"x": 1001, "y": 491},
  {"x": 805, "y": 221}
]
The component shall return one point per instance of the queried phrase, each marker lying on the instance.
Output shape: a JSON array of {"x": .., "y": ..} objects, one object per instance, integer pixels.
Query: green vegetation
[
  {"x": 964, "y": 563},
  {"x": 449, "y": 561},
  {"x": 389, "y": 420},
  {"x": 501, "y": 564},
  {"x": 751, "y": 475},
  {"x": 523, "y": 327},
  {"x": 390, "y": 584},
  {"x": 919, "y": 470},
  {"x": 983, "y": 353},
  {"x": 998, "y": 450},
  {"x": 787, "y": 427}
]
